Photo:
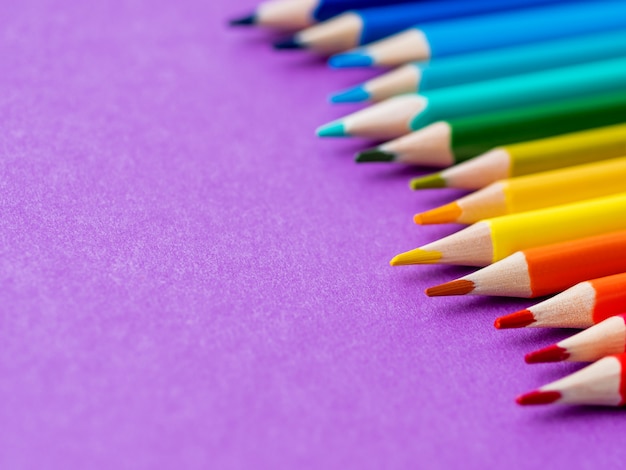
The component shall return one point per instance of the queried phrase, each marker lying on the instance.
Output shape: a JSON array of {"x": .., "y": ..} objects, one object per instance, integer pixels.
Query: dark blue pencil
[
  {"x": 356, "y": 27},
  {"x": 298, "y": 14}
]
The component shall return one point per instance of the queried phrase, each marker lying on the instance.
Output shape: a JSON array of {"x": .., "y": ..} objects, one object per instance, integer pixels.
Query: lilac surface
[{"x": 191, "y": 280}]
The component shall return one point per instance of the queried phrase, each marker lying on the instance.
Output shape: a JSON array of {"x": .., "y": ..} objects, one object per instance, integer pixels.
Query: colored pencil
[
  {"x": 606, "y": 338},
  {"x": 581, "y": 306},
  {"x": 298, "y": 14},
  {"x": 357, "y": 27},
  {"x": 544, "y": 270},
  {"x": 445, "y": 143},
  {"x": 486, "y": 65},
  {"x": 601, "y": 383},
  {"x": 491, "y": 31},
  {"x": 530, "y": 157},
  {"x": 402, "y": 114},
  {"x": 531, "y": 192},
  {"x": 494, "y": 239}
]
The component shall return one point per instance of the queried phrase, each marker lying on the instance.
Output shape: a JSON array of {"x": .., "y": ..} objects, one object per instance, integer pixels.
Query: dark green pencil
[{"x": 446, "y": 143}]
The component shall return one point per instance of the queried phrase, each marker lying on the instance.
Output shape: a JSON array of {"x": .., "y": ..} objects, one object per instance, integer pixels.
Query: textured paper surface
[{"x": 191, "y": 280}]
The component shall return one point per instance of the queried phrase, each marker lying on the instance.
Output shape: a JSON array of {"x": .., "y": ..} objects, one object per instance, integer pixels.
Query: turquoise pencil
[
  {"x": 487, "y": 65},
  {"x": 402, "y": 114}
]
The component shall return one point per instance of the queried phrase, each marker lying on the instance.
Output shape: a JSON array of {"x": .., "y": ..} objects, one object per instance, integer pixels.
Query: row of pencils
[{"x": 522, "y": 102}]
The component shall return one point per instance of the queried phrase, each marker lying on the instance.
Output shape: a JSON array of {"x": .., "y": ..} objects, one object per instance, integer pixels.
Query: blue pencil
[
  {"x": 492, "y": 31},
  {"x": 486, "y": 65},
  {"x": 357, "y": 27},
  {"x": 298, "y": 14}
]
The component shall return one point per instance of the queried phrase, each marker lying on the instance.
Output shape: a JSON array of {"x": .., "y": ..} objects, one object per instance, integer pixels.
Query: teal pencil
[
  {"x": 402, "y": 114},
  {"x": 487, "y": 65}
]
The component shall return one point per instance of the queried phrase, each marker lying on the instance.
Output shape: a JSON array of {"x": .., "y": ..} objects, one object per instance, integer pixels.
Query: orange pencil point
[
  {"x": 457, "y": 287},
  {"x": 519, "y": 319},
  {"x": 441, "y": 215}
]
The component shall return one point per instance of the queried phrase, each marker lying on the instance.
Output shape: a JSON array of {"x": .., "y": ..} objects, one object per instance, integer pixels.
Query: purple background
[{"x": 190, "y": 279}]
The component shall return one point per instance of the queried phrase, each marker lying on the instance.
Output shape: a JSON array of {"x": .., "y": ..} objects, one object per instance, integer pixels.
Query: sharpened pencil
[
  {"x": 490, "y": 31},
  {"x": 606, "y": 338},
  {"x": 297, "y": 14},
  {"x": 543, "y": 270},
  {"x": 601, "y": 383},
  {"x": 494, "y": 239},
  {"x": 357, "y": 27},
  {"x": 526, "y": 158},
  {"x": 486, "y": 65},
  {"x": 531, "y": 192},
  {"x": 402, "y": 114},
  {"x": 580, "y": 306},
  {"x": 445, "y": 143}
]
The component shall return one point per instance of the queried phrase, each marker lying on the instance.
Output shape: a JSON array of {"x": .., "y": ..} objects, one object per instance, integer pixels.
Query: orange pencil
[
  {"x": 605, "y": 338},
  {"x": 544, "y": 270},
  {"x": 580, "y": 306}
]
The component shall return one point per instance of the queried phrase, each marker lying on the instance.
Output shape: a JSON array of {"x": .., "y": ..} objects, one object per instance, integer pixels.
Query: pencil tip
[
  {"x": 538, "y": 397},
  {"x": 374, "y": 155},
  {"x": 515, "y": 320},
  {"x": 458, "y": 287},
  {"x": 552, "y": 353},
  {"x": 333, "y": 129},
  {"x": 351, "y": 59},
  {"x": 428, "y": 182},
  {"x": 243, "y": 21},
  {"x": 352, "y": 95},
  {"x": 416, "y": 256},
  {"x": 441, "y": 215},
  {"x": 291, "y": 43}
]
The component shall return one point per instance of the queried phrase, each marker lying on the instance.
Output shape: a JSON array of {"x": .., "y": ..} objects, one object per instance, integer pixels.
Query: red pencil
[
  {"x": 606, "y": 338},
  {"x": 580, "y": 306},
  {"x": 601, "y": 383}
]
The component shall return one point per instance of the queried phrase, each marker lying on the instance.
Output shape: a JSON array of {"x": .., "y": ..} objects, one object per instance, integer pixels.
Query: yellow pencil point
[
  {"x": 441, "y": 215},
  {"x": 417, "y": 256}
]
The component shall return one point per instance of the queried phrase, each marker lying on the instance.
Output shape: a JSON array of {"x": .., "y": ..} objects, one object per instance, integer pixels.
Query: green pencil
[{"x": 449, "y": 142}]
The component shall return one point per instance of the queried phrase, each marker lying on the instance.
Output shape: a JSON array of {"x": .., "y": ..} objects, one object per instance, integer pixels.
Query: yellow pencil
[
  {"x": 531, "y": 192},
  {"x": 494, "y": 239},
  {"x": 529, "y": 157}
]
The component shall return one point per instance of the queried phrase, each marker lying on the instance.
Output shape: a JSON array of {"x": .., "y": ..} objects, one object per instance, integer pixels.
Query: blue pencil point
[
  {"x": 333, "y": 129},
  {"x": 353, "y": 95},
  {"x": 351, "y": 59},
  {"x": 243, "y": 21},
  {"x": 291, "y": 43}
]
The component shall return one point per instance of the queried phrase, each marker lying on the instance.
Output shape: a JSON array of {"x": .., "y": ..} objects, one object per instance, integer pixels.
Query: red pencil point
[
  {"x": 538, "y": 398},
  {"x": 515, "y": 320},
  {"x": 552, "y": 353},
  {"x": 458, "y": 287}
]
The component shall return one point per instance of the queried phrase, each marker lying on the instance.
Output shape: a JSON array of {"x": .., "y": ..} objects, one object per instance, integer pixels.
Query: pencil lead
[
  {"x": 350, "y": 59},
  {"x": 428, "y": 182},
  {"x": 352, "y": 95},
  {"x": 243, "y": 21},
  {"x": 374, "y": 155},
  {"x": 539, "y": 397},
  {"x": 291, "y": 43},
  {"x": 333, "y": 129},
  {"x": 515, "y": 320},
  {"x": 552, "y": 353},
  {"x": 417, "y": 256},
  {"x": 458, "y": 287},
  {"x": 441, "y": 215}
]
